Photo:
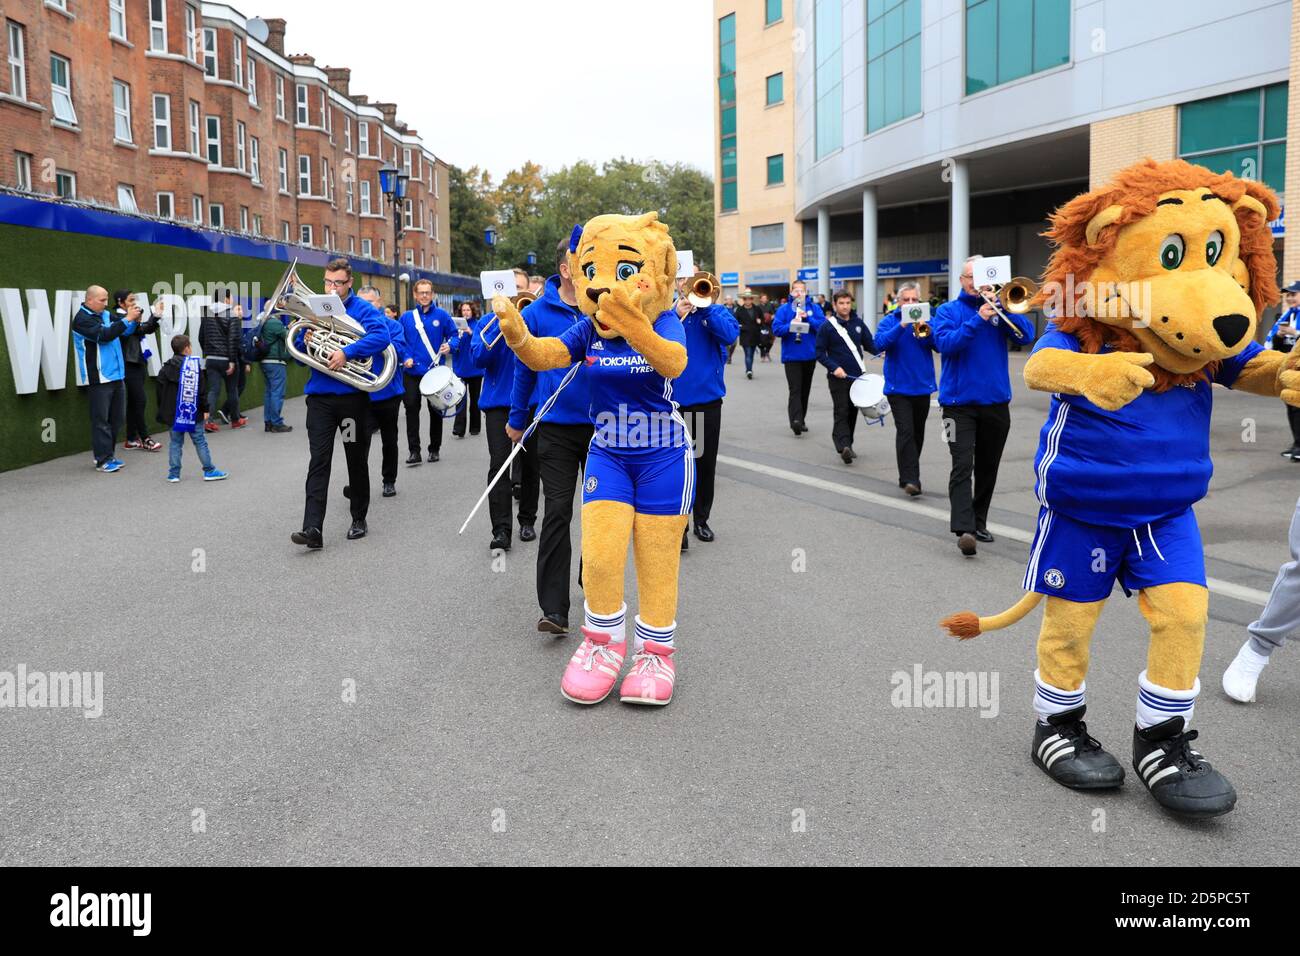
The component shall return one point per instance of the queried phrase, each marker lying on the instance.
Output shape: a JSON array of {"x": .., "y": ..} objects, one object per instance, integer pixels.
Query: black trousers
[
  {"x": 326, "y": 415},
  {"x": 799, "y": 378},
  {"x": 704, "y": 422},
  {"x": 383, "y": 419},
  {"x": 499, "y": 445},
  {"x": 412, "y": 399},
  {"x": 561, "y": 459},
  {"x": 910, "y": 413},
  {"x": 1293, "y": 419},
  {"x": 977, "y": 434},
  {"x": 216, "y": 375},
  {"x": 473, "y": 388},
  {"x": 107, "y": 409},
  {"x": 136, "y": 429},
  {"x": 526, "y": 474},
  {"x": 845, "y": 413}
]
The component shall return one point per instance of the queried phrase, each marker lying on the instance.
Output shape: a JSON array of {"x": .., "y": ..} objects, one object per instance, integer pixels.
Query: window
[
  {"x": 196, "y": 209},
  {"x": 776, "y": 169},
  {"x": 284, "y": 230},
  {"x": 191, "y": 33},
  {"x": 366, "y": 248},
  {"x": 304, "y": 234},
  {"x": 827, "y": 76},
  {"x": 437, "y": 194},
  {"x": 255, "y": 156},
  {"x": 243, "y": 219},
  {"x": 383, "y": 251},
  {"x": 252, "y": 82},
  {"x": 61, "y": 90},
  {"x": 257, "y": 224},
  {"x": 216, "y": 216},
  {"x": 282, "y": 165},
  {"x": 325, "y": 177},
  {"x": 776, "y": 87},
  {"x": 279, "y": 97},
  {"x": 893, "y": 62},
  {"x": 241, "y": 146},
  {"x": 410, "y": 257},
  {"x": 1008, "y": 39},
  {"x": 352, "y": 245},
  {"x": 771, "y": 12},
  {"x": 121, "y": 111},
  {"x": 329, "y": 240},
  {"x": 304, "y": 175},
  {"x": 769, "y": 238},
  {"x": 23, "y": 164},
  {"x": 347, "y": 135},
  {"x": 363, "y": 137},
  {"x": 117, "y": 19},
  {"x": 347, "y": 188},
  {"x": 365, "y": 197},
  {"x": 126, "y": 198},
  {"x": 210, "y": 53},
  {"x": 406, "y": 161},
  {"x": 166, "y": 205},
  {"x": 406, "y": 214},
  {"x": 196, "y": 148},
  {"x": 237, "y": 60},
  {"x": 302, "y": 104},
  {"x": 214, "y": 140},
  {"x": 17, "y": 60},
  {"x": 727, "y": 109},
  {"x": 162, "y": 121},
  {"x": 65, "y": 184},
  {"x": 1242, "y": 133},
  {"x": 158, "y": 26},
  {"x": 327, "y": 115}
]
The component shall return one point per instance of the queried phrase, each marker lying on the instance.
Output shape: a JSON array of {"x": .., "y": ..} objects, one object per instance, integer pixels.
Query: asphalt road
[{"x": 226, "y": 738}]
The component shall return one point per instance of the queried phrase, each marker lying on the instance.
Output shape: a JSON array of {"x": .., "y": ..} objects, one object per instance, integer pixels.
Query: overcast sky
[{"x": 496, "y": 82}]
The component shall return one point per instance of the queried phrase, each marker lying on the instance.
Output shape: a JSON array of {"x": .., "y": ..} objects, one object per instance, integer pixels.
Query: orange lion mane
[{"x": 1137, "y": 189}]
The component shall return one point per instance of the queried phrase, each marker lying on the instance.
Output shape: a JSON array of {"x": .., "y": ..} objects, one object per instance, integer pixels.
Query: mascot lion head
[
  {"x": 1167, "y": 258},
  {"x": 635, "y": 252}
]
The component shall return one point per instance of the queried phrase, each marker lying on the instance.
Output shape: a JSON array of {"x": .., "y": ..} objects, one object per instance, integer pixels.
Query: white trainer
[{"x": 1242, "y": 675}]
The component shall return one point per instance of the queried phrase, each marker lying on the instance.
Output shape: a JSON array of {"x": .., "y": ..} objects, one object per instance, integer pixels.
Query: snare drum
[
  {"x": 868, "y": 395},
  {"x": 442, "y": 388}
]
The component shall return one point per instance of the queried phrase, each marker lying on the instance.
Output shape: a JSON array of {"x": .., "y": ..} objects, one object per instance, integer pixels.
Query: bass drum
[
  {"x": 868, "y": 395},
  {"x": 442, "y": 388}
]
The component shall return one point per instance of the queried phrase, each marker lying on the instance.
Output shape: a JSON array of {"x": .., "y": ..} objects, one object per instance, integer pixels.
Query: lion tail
[{"x": 966, "y": 624}]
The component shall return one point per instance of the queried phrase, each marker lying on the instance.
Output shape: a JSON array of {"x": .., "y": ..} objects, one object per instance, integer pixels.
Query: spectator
[
  {"x": 275, "y": 372},
  {"x": 135, "y": 358},
  {"x": 219, "y": 333},
  {"x": 749, "y": 318},
  {"x": 469, "y": 373},
  {"x": 182, "y": 404},
  {"x": 96, "y": 335},
  {"x": 391, "y": 311}
]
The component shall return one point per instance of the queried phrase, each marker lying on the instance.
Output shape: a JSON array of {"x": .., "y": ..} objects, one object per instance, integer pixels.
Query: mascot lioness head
[
  {"x": 630, "y": 251},
  {"x": 1167, "y": 258}
]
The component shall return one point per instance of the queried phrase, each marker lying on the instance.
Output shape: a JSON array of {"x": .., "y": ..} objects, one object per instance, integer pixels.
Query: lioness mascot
[
  {"x": 639, "y": 482},
  {"x": 1155, "y": 286}
]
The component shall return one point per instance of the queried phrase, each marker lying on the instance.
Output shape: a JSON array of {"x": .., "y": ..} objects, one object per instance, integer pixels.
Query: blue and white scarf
[{"x": 187, "y": 396}]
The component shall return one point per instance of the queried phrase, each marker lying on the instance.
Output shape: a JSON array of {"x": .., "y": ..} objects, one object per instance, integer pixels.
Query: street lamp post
[
  {"x": 490, "y": 237},
  {"x": 392, "y": 183}
]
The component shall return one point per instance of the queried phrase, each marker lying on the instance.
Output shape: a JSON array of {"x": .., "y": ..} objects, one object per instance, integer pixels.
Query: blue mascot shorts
[{"x": 654, "y": 481}]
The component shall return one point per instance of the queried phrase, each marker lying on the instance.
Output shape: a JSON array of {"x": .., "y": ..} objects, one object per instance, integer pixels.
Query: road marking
[{"x": 1238, "y": 592}]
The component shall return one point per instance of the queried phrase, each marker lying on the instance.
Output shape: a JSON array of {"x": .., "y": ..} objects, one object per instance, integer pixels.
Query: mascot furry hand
[
  {"x": 1165, "y": 271},
  {"x": 639, "y": 483}
]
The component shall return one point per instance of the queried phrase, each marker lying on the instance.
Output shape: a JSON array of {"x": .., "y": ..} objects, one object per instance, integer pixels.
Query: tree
[{"x": 472, "y": 211}]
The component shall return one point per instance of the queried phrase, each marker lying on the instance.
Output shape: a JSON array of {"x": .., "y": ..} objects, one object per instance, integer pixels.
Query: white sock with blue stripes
[
  {"x": 615, "y": 625},
  {"x": 661, "y": 635},
  {"x": 1157, "y": 704},
  {"x": 1049, "y": 700}
]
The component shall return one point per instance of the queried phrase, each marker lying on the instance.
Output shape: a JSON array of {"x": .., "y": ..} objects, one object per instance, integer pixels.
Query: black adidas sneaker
[
  {"x": 1066, "y": 753},
  {"x": 1179, "y": 777}
]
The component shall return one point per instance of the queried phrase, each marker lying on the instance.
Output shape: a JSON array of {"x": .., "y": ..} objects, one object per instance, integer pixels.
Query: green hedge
[{"x": 50, "y": 260}]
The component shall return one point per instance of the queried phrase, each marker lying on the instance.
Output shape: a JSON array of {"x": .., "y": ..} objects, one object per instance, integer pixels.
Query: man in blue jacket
[
  {"x": 975, "y": 394},
  {"x": 428, "y": 332},
  {"x": 385, "y": 403},
  {"x": 562, "y": 438},
  {"x": 1282, "y": 336},
  {"x": 710, "y": 331},
  {"x": 96, "y": 340},
  {"x": 334, "y": 406},
  {"x": 798, "y": 350},
  {"x": 909, "y": 383},
  {"x": 843, "y": 342},
  {"x": 467, "y": 412}
]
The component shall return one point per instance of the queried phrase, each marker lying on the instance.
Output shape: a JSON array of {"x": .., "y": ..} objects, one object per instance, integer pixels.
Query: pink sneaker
[
  {"x": 593, "y": 669},
  {"x": 651, "y": 679}
]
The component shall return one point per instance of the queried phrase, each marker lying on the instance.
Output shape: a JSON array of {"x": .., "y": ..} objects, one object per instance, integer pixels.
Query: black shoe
[
  {"x": 347, "y": 491},
  {"x": 966, "y": 543},
  {"x": 433, "y": 456},
  {"x": 390, "y": 489},
  {"x": 457, "y": 434},
  {"x": 500, "y": 541},
  {"x": 853, "y": 453},
  {"x": 474, "y": 431},
  {"x": 1291, "y": 452},
  {"x": 803, "y": 426},
  {"x": 703, "y": 531},
  {"x": 796, "y": 427},
  {"x": 749, "y": 375},
  {"x": 526, "y": 533},
  {"x": 847, "y": 455},
  {"x": 1178, "y": 777},
  {"x": 1064, "y": 751},
  {"x": 267, "y": 428},
  {"x": 912, "y": 489},
  {"x": 310, "y": 537},
  {"x": 982, "y": 535},
  {"x": 358, "y": 529},
  {"x": 414, "y": 458},
  {"x": 279, "y": 429},
  {"x": 553, "y": 624},
  {"x": 686, "y": 541}
]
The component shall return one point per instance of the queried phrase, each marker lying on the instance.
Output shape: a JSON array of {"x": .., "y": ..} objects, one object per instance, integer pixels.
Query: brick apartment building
[{"x": 171, "y": 108}]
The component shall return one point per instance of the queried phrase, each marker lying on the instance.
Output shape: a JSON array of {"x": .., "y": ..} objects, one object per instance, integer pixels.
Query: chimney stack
[
  {"x": 390, "y": 113},
  {"x": 276, "y": 38},
  {"x": 339, "y": 76}
]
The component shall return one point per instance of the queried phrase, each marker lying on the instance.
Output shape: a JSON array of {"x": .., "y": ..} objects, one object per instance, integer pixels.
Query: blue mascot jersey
[
  {"x": 632, "y": 405},
  {"x": 1147, "y": 461}
]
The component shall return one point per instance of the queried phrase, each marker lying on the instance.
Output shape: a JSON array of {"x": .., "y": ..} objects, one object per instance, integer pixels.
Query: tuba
[{"x": 328, "y": 333}]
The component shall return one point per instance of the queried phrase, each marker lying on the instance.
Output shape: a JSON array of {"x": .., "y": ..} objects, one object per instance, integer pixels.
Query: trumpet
[
  {"x": 1015, "y": 297},
  {"x": 520, "y": 302},
  {"x": 701, "y": 289},
  {"x": 324, "y": 335}
]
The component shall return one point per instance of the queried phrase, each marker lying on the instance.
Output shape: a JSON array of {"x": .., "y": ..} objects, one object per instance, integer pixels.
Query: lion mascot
[
  {"x": 639, "y": 483},
  {"x": 1154, "y": 287}
]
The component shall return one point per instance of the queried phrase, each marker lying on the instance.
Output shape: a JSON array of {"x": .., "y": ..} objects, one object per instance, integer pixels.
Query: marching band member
[
  {"x": 333, "y": 405},
  {"x": 798, "y": 350},
  {"x": 710, "y": 330},
  {"x": 384, "y": 404},
  {"x": 909, "y": 383},
  {"x": 428, "y": 332},
  {"x": 975, "y": 394},
  {"x": 842, "y": 345},
  {"x": 1282, "y": 336},
  {"x": 525, "y": 479},
  {"x": 464, "y": 368},
  {"x": 562, "y": 439}
]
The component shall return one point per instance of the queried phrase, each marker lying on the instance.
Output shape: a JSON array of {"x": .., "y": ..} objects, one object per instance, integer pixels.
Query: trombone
[
  {"x": 1015, "y": 297},
  {"x": 520, "y": 302},
  {"x": 701, "y": 289}
]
